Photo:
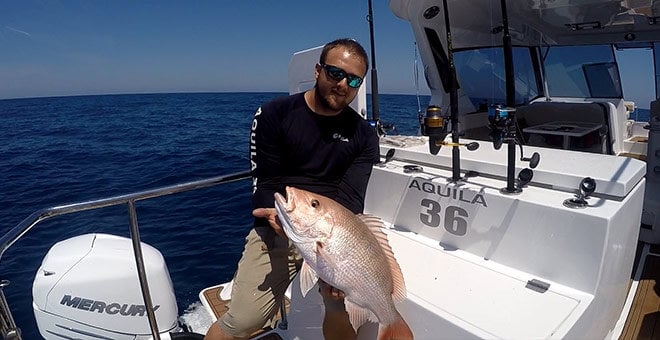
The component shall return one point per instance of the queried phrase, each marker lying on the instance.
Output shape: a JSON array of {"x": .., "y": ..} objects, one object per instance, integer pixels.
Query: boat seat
[{"x": 538, "y": 113}]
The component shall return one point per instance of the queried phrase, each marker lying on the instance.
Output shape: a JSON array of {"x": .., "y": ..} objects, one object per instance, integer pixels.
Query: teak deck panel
[
  {"x": 220, "y": 307},
  {"x": 643, "y": 321}
]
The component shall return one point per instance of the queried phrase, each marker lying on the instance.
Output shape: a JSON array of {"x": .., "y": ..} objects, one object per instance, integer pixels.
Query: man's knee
[
  {"x": 242, "y": 323},
  {"x": 215, "y": 333}
]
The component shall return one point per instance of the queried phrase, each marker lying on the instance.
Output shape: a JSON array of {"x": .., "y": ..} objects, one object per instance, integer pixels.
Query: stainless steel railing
[{"x": 8, "y": 328}]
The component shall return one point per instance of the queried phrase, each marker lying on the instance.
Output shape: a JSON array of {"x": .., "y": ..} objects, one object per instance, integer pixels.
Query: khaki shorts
[{"x": 268, "y": 265}]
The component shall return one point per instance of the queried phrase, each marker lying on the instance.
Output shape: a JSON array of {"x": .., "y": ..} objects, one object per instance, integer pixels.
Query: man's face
[{"x": 334, "y": 94}]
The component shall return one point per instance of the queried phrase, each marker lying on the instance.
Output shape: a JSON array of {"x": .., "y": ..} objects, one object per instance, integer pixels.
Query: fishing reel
[
  {"x": 502, "y": 124},
  {"x": 435, "y": 126},
  {"x": 382, "y": 129}
]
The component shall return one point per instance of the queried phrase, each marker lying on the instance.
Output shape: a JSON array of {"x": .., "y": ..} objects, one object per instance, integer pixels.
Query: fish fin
[
  {"x": 371, "y": 220},
  {"x": 357, "y": 315},
  {"x": 308, "y": 278},
  {"x": 325, "y": 263},
  {"x": 376, "y": 226},
  {"x": 399, "y": 329}
]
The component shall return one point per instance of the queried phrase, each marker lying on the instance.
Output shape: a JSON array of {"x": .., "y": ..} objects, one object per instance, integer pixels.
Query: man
[{"x": 316, "y": 142}]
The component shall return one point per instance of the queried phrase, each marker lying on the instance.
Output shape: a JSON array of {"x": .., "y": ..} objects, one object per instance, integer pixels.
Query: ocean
[{"x": 62, "y": 150}]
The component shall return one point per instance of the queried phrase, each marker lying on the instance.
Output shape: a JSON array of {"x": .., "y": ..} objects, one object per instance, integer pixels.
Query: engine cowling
[{"x": 88, "y": 287}]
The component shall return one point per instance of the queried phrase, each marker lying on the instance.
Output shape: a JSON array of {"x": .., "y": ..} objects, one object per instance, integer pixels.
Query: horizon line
[{"x": 180, "y": 92}]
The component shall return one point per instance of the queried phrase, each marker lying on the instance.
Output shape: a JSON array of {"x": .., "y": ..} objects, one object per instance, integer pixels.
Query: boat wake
[{"x": 196, "y": 318}]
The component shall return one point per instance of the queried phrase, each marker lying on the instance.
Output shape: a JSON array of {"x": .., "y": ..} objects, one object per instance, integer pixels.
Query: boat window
[
  {"x": 602, "y": 80},
  {"x": 582, "y": 71},
  {"x": 482, "y": 78},
  {"x": 637, "y": 77}
]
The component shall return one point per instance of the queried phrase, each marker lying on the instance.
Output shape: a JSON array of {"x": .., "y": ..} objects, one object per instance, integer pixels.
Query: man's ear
[{"x": 317, "y": 71}]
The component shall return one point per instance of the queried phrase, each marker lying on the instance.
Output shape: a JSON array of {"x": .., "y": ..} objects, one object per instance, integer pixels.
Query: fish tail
[{"x": 398, "y": 330}]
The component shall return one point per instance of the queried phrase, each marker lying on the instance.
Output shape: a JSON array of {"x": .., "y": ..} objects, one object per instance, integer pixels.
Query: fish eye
[{"x": 315, "y": 203}]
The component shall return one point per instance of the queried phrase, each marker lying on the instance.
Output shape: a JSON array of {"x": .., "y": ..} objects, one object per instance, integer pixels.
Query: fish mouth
[
  {"x": 282, "y": 206},
  {"x": 281, "y": 202}
]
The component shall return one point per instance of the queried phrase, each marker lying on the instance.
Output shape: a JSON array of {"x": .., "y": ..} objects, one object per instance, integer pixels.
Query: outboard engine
[{"x": 88, "y": 288}]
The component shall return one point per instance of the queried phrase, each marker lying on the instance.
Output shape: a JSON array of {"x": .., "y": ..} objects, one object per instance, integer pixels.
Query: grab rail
[{"x": 8, "y": 327}]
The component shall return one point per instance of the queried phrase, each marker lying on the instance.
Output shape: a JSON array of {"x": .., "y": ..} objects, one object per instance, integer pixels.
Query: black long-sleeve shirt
[{"x": 290, "y": 145}]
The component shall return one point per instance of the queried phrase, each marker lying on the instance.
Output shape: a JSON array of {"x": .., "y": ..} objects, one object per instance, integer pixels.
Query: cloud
[{"x": 18, "y": 31}]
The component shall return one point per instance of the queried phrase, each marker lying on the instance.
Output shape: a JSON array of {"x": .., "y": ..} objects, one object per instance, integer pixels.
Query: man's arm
[
  {"x": 353, "y": 185},
  {"x": 265, "y": 165},
  {"x": 265, "y": 156}
]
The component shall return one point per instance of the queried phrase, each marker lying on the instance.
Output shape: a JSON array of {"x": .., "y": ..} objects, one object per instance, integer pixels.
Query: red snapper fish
[{"x": 349, "y": 252}]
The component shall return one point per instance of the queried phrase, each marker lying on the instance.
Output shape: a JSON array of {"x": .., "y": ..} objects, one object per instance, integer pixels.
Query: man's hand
[
  {"x": 332, "y": 297},
  {"x": 270, "y": 214}
]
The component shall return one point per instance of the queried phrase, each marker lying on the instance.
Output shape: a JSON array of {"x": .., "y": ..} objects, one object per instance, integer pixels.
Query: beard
[{"x": 333, "y": 101}]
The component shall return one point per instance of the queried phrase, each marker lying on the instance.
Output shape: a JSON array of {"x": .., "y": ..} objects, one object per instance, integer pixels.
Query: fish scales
[{"x": 362, "y": 264}]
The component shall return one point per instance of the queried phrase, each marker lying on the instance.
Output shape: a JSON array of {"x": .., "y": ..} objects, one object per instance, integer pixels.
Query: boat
[{"x": 527, "y": 208}]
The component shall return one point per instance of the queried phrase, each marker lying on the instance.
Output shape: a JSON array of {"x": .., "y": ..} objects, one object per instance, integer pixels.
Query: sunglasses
[{"x": 338, "y": 74}]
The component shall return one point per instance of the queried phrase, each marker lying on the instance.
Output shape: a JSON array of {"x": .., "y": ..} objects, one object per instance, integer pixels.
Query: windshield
[
  {"x": 481, "y": 76},
  {"x": 571, "y": 71},
  {"x": 581, "y": 71}
]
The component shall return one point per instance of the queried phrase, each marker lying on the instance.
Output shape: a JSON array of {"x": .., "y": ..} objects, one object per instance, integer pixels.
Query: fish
[{"x": 349, "y": 252}]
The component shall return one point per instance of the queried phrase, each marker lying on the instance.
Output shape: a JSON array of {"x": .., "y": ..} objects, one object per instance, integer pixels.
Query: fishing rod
[
  {"x": 510, "y": 98},
  {"x": 435, "y": 123},
  {"x": 503, "y": 119},
  {"x": 453, "y": 102},
  {"x": 375, "y": 113}
]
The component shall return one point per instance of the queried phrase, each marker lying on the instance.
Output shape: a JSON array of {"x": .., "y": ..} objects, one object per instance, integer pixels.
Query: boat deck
[{"x": 644, "y": 318}]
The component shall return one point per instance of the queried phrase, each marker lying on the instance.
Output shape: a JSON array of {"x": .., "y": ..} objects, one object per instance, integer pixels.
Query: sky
[{"x": 80, "y": 47}]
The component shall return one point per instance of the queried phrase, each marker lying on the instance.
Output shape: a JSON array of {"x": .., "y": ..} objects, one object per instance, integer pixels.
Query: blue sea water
[{"x": 70, "y": 149}]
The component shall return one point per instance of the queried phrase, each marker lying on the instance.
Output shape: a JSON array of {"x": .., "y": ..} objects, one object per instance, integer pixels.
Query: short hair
[{"x": 351, "y": 45}]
